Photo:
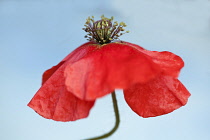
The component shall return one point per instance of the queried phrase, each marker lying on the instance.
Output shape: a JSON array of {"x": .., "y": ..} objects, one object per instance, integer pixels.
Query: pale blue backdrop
[{"x": 37, "y": 34}]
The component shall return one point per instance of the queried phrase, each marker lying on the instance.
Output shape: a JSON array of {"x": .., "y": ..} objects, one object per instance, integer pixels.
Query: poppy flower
[{"x": 98, "y": 67}]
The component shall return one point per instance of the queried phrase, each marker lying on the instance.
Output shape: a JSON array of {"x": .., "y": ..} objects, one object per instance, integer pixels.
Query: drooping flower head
[{"x": 95, "y": 69}]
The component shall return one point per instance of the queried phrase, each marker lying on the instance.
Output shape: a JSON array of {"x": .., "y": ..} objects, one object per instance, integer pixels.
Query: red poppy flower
[{"x": 148, "y": 79}]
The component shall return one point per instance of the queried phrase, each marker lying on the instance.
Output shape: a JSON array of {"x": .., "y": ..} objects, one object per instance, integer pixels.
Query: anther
[{"x": 103, "y": 31}]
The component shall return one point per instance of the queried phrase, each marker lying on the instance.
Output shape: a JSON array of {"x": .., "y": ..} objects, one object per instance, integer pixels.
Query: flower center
[{"x": 103, "y": 31}]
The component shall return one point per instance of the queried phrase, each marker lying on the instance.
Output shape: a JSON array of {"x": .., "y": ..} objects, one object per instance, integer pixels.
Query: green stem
[{"x": 117, "y": 118}]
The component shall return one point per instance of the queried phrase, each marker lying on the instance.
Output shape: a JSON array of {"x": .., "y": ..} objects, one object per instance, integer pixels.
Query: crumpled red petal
[
  {"x": 170, "y": 63},
  {"x": 53, "y": 100},
  {"x": 48, "y": 73},
  {"x": 113, "y": 66},
  {"x": 160, "y": 96}
]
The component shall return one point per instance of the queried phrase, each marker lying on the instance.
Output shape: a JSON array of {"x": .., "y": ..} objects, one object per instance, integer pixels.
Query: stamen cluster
[{"x": 103, "y": 31}]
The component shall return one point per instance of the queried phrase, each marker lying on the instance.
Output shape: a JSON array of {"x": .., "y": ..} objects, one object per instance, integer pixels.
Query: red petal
[
  {"x": 48, "y": 73},
  {"x": 112, "y": 66},
  {"x": 170, "y": 63},
  {"x": 58, "y": 104},
  {"x": 72, "y": 57},
  {"x": 160, "y": 96},
  {"x": 53, "y": 101}
]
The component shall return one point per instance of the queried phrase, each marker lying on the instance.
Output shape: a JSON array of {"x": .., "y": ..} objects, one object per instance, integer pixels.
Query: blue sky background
[{"x": 37, "y": 34}]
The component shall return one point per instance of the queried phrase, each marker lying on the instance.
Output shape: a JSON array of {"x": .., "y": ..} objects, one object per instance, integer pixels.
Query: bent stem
[{"x": 117, "y": 120}]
